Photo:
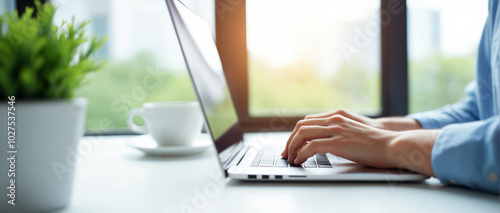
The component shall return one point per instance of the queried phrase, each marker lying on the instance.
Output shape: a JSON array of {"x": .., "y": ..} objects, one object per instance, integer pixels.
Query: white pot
[{"x": 47, "y": 134}]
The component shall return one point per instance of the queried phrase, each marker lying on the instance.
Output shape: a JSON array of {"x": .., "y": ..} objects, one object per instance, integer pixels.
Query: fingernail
[{"x": 295, "y": 161}]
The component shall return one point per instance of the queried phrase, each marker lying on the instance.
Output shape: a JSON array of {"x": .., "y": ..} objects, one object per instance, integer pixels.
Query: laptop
[{"x": 244, "y": 159}]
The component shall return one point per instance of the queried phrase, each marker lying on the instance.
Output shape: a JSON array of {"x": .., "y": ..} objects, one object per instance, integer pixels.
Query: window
[
  {"x": 443, "y": 38},
  {"x": 6, "y": 5},
  {"x": 144, "y": 60},
  {"x": 286, "y": 58},
  {"x": 313, "y": 57},
  {"x": 145, "y": 63}
]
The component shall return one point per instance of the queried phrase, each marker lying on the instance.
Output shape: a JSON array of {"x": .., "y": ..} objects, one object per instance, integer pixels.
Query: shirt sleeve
[
  {"x": 468, "y": 154},
  {"x": 465, "y": 110}
]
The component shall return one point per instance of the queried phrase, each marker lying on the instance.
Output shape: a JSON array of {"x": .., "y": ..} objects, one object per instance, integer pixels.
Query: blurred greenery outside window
[
  {"x": 144, "y": 60},
  {"x": 145, "y": 63},
  {"x": 295, "y": 65},
  {"x": 443, "y": 38},
  {"x": 309, "y": 63}
]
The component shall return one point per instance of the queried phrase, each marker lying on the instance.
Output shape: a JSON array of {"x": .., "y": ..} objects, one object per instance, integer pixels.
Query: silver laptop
[{"x": 246, "y": 159}]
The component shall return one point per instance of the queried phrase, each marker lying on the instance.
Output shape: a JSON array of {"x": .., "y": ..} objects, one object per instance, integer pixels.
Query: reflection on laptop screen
[{"x": 205, "y": 66}]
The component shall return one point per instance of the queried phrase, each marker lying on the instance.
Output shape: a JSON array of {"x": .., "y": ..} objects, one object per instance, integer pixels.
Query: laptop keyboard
[{"x": 270, "y": 156}]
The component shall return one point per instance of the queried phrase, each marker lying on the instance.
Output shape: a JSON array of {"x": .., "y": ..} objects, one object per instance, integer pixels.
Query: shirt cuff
[
  {"x": 426, "y": 119},
  {"x": 459, "y": 156}
]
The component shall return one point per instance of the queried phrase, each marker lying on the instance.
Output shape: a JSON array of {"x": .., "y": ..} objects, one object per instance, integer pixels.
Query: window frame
[
  {"x": 22, "y": 4},
  {"x": 230, "y": 24}
]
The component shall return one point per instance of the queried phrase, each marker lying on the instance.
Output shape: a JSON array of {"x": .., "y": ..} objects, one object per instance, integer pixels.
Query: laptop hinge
[
  {"x": 246, "y": 148},
  {"x": 235, "y": 156}
]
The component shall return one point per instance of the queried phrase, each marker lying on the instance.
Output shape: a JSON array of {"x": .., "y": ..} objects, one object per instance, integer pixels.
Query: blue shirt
[{"x": 466, "y": 151}]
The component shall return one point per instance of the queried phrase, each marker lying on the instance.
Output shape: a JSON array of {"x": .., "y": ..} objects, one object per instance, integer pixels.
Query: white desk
[{"x": 113, "y": 177}]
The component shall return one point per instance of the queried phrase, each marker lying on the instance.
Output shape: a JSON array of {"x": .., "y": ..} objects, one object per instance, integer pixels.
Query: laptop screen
[{"x": 205, "y": 68}]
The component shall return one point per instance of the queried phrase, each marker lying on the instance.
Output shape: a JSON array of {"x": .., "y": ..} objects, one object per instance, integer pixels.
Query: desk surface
[{"x": 112, "y": 177}]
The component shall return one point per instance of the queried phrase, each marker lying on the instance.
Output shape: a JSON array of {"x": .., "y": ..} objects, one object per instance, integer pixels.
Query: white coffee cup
[{"x": 169, "y": 123}]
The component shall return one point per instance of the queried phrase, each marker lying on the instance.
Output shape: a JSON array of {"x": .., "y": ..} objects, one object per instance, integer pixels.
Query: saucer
[{"x": 146, "y": 144}]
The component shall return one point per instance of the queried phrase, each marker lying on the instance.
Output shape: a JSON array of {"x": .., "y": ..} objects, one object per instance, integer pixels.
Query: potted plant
[{"x": 41, "y": 66}]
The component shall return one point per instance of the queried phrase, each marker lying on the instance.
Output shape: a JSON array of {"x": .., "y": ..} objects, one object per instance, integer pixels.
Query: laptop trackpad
[{"x": 338, "y": 160}]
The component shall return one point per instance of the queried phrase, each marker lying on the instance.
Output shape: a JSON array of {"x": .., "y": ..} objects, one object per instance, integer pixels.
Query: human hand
[
  {"x": 361, "y": 143},
  {"x": 343, "y": 137},
  {"x": 387, "y": 123},
  {"x": 351, "y": 115}
]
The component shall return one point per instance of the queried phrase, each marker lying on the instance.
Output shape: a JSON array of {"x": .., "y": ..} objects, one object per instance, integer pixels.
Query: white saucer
[{"x": 146, "y": 144}]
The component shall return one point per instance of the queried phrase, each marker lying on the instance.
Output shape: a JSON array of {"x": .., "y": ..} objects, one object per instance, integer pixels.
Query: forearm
[
  {"x": 397, "y": 123},
  {"x": 412, "y": 150}
]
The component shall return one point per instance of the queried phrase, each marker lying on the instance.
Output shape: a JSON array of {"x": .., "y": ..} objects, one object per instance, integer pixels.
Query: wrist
[
  {"x": 379, "y": 123},
  {"x": 397, "y": 123},
  {"x": 412, "y": 150},
  {"x": 394, "y": 147}
]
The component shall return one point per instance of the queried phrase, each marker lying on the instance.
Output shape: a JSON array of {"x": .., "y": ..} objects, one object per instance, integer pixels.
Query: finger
[
  {"x": 320, "y": 115},
  {"x": 299, "y": 124},
  {"x": 322, "y": 145},
  {"x": 318, "y": 122},
  {"x": 342, "y": 112},
  {"x": 310, "y": 122},
  {"x": 306, "y": 133}
]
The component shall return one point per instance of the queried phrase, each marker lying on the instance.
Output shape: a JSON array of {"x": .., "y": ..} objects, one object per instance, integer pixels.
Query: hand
[
  {"x": 361, "y": 143},
  {"x": 353, "y": 116},
  {"x": 325, "y": 118},
  {"x": 388, "y": 123},
  {"x": 342, "y": 137}
]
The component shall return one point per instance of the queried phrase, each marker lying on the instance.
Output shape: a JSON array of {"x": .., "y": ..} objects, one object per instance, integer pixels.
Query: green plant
[{"x": 39, "y": 60}]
